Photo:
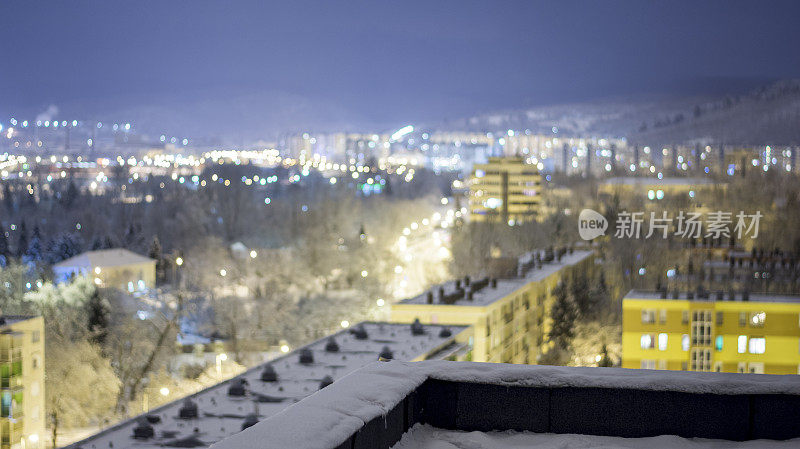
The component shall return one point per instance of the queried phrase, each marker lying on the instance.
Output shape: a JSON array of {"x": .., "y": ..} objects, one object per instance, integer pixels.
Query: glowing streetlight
[
  {"x": 380, "y": 302},
  {"x": 164, "y": 391},
  {"x": 345, "y": 324},
  {"x": 284, "y": 348},
  {"x": 223, "y": 272},
  {"x": 179, "y": 261},
  {"x": 253, "y": 254}
]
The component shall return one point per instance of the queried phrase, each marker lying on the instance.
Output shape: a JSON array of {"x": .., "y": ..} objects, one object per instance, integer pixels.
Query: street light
[
  {"x": 253, "y": 254},
  {"x": 219, "y": 359},
  {"x": 179, "y": 261}
]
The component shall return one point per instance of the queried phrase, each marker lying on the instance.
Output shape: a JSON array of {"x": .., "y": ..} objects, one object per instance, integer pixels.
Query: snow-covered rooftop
[
  {"x": 220, "y": 414},
  {"x": 105, "y": 258},
  {"x": 738, "y": 296},
  {"x": 328, "y": 418},
  {"x": 424, "y": 436},
  {"x": 488, "y": 294}
]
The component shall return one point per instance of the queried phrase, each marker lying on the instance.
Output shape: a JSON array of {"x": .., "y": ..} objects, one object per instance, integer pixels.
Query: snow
[
  {"x": 488, "y": 295},
  {"x": 426, "y": 437},
  {"x": 328, "y": 418},
  {"x": 221, "y": 415}
]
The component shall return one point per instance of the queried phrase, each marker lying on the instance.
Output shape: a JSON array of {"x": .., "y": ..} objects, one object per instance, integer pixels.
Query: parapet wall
[{"x": 374, "y": 406}]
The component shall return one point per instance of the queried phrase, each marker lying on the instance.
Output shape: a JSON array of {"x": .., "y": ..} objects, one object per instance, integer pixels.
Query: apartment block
[
  {"x": 722, "y": 332},
  {"x": 506, "y": 189},
  {"x": 509, "y": 315},
  {"x": 22, "y": 412}
]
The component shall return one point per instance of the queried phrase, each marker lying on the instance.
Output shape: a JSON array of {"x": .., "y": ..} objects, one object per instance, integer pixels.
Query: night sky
[{"x": 239, "y": 66}]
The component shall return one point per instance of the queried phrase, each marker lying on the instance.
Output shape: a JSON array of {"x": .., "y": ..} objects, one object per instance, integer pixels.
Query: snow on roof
[
  {"x": 752, "y": 297},
  {"x": 428, "y": 437},
  {"x": 221, "y": 415},
  {"x": 105, "y": 258},
  {"x": 327, "y": 418},
  {"x": 488, "y": 294},
  {"x": 8, "y": 320}
]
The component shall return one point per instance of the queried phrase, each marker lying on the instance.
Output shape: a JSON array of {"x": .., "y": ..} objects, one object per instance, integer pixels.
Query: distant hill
[{"x": 766, "y": 115}]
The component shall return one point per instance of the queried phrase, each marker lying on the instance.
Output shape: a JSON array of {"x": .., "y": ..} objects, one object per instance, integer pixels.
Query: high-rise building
[
  {"x": 724, "y": 332},
  {"x": 506, "y": 189},
  {"x": 22, "y": 414}
]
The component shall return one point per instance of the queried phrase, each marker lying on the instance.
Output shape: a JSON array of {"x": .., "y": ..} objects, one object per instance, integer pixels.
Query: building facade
[
  {"x": 113, "y": 268},
  {"x": 506, "y": 189},
  {"x": 737, "y": 333},
  {"x": 22, "y": 405},
  {"x": 509, "y": 316}
]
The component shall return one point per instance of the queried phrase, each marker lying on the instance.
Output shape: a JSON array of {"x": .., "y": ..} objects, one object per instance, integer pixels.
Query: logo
[{"x": 591, "y": 224}]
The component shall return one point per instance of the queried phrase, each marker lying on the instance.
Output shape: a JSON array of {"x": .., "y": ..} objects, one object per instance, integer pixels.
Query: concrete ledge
[{"x": 377, "y": 404}]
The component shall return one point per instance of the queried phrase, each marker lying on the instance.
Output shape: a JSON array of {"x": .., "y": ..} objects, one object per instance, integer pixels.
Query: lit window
[
  {"x": 757, "y": 345},
  {"x": 758, "y": 318},
  {"x": 648, "y": 316},
  {"x": 685, "y": 342},
  {"x": 662, "y": 342},
  {"x": 719, "y": 342},
  {"x": 742, "y": 344},
  {"x": 647, "y": 341}
]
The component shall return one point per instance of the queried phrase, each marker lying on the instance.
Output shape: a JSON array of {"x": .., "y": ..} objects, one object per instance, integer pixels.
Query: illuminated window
[
  {"x": 757, "y": 319},
  {"x": 647, "y": 341},
  {"x": 718, "y": 343},
  {"x": 662, "y": 342},
  {"x": 741, "y": 344},
  {"x": 757, "y": 345},
  {"x": 648, "y": 316},
  {"x": 685, "y": 342}
]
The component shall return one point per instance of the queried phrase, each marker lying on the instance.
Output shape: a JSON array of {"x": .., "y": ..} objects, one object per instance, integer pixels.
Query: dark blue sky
[{"x": 250, "y": 65}]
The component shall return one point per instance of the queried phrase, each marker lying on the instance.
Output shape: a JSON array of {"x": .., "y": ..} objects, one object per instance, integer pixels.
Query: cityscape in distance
[{"x": 391, "y": 226}]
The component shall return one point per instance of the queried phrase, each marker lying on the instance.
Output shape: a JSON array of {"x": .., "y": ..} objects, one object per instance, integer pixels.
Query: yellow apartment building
[
  {"x": 22, "y": 412},
  {"x": 744, "y": 333},
  {"x": 113, "y": 268},
  {"x": 506, "y": 189},
  {"x": 509, "y": 317}
]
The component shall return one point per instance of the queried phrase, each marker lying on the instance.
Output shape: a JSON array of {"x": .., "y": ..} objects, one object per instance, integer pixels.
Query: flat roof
[
  {"x": 105, "y": 258},
  {"x": 505, "y": 286},
  {"x": 753, "y": 297},
  {"x": 221, "y": 415}
]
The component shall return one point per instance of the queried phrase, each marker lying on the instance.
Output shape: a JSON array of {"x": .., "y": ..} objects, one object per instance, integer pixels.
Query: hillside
[{"x": 767, "y": 115}]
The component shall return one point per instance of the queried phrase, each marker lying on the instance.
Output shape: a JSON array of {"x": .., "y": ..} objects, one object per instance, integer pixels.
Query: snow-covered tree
[{"x": 81, "y": 387}]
